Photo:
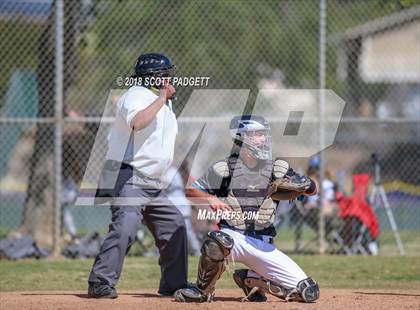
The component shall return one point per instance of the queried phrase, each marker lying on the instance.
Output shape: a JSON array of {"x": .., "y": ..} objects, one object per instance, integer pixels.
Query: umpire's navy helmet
[{"x": 153, "y": 64}]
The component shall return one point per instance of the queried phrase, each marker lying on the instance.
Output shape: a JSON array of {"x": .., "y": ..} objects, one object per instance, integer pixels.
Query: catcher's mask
[
  {"x": 154, "y": 65},
  {"x": 253, "y": 133}
]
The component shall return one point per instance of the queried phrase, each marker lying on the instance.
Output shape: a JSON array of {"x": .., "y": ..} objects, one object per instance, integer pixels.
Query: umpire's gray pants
[{"x": 163, "y": 220}]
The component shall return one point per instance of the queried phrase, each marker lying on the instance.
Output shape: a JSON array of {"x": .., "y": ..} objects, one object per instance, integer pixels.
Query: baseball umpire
[
  {"x": 252, "y": 183},
  {"x": 146, "y": 121}
]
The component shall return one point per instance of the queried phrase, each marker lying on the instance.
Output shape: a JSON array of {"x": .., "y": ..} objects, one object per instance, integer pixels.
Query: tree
[{"x": 39, "y": 204}]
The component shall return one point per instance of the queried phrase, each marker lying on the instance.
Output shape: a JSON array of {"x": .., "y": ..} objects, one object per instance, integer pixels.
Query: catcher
[{"x": 249, "y": 182}]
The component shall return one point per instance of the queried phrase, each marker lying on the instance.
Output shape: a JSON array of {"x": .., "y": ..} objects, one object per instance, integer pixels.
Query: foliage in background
[{"x": 225, "y": 40}]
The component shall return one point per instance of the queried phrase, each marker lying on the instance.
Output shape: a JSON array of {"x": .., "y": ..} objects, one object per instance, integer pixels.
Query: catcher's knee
[
  {"x": 308, "y": 290},
  {"x": 217, "y": 245}
]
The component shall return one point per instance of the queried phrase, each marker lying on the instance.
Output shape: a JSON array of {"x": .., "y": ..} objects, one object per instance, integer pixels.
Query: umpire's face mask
[{"x": 159, "y": 79}]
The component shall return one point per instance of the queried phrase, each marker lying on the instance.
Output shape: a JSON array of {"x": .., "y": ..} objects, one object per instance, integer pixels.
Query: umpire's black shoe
[
  {"x": 171, "y": 293},
  {"x": 166, "y": 293},
  {"x": 252, "y": 294},
  {"x": 99, "y": 290}
]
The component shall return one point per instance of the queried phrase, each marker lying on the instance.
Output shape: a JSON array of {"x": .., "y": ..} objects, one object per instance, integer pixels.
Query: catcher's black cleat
[
  {"x": 253, "y": 294},
  {"x": 99, "y": 290}
]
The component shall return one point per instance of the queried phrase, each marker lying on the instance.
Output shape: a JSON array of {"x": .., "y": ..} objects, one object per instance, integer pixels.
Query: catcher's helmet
[
  {"x": 241, "y": 126},
  {"x": 153, "y": 64}
]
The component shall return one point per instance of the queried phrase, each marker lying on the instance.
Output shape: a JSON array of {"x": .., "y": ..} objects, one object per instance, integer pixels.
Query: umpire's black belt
[
  {"x": 113, "y": 177},
  {"x": 113, "y": 165}
]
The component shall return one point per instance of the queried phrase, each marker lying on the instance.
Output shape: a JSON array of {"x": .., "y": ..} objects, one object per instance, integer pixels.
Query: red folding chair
[{"x": 361, "y": 226}]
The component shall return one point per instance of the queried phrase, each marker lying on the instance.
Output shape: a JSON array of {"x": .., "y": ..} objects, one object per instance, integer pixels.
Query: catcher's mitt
[{"x": 289, "y": 187}]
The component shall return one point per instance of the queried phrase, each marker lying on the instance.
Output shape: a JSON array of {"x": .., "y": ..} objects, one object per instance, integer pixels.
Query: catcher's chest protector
[{"x": 250, "y": 188}]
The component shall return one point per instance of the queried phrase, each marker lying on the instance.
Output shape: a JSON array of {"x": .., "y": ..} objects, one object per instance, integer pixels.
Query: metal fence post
[
  {"x": 59, "y": 16},
  {"x": 322, "y": 42}
]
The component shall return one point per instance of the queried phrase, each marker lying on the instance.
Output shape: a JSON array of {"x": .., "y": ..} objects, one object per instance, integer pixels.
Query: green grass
[{"x": 330, "y": 271}]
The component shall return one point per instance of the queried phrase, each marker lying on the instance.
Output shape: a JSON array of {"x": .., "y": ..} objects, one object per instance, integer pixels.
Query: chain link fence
[{"x": 372, "y": 53}]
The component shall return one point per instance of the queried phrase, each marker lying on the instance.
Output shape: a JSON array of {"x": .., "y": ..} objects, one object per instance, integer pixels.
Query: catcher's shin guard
[
  {"x": 215, "y": 249},
  {"x": 306, "y": 290},
  {"x": 253, "y": 294},
  {"x": 266, "y": 286}
]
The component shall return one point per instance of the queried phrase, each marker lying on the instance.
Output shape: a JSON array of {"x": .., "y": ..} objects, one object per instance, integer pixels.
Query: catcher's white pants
[{"x": 265, "y": 260}]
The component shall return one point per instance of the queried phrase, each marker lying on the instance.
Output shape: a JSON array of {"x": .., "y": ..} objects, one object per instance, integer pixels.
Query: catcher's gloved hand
[
  {"x": 287, "y": 184},
  {"x": 294, "y": 183},
  {"x": 289, "y": 187}
]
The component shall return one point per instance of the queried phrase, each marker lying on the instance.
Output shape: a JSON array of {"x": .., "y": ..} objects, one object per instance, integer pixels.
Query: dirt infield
[{"x": 227, "y": 299}]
